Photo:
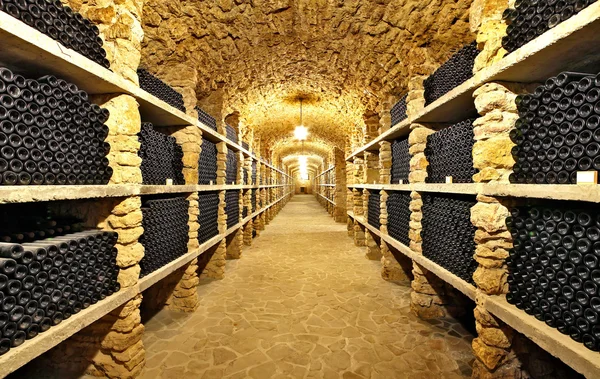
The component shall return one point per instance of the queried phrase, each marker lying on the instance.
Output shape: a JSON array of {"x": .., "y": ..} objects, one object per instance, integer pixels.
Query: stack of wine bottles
[
  {"x": 400, "y": 161},
  {"x": 231, "y": 133},
  {"x": 245, "y": 145},
  {"x": 207, "y": 163},
  {"x": 232, "y": 207},
  {"x": 60, "y": 23},
  {"x": 557, "y": 131},
  {"x": 161, "y": 157},
  {"x": 50, "y": 133},
  {"x": 206, "y": 119},
  {"x": 46, "y": 281},
  {"x": 254, "y": 166},
  {"x": 457, "y": 70},
  {"x": 531, "y": 18},
  {"x": 449, "y": 153},
  {"x": 245, "y": 210},
  {"x": 398, "y": 111},
  {"x": 373, "y": 209},
  {"x": 232, "y": 167},
  {"x": 160, "y": 89},
  {"x": 253, "y": 199},
  {"x": 554, "y": 273},
  {"x": 399, "y": 216},
  {"x": 247, "y": 175},
  {"x": 208, "y": 203},
  {"x": 448, "y": 235},
  {"x": 165, "y": 238}
]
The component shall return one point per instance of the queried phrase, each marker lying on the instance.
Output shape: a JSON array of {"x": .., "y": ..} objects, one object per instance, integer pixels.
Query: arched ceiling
[{"x": 342, "y": 56}]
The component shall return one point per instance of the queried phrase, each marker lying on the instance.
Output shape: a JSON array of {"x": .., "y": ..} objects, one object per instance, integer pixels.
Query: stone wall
[{"x": 120, "y": 25}]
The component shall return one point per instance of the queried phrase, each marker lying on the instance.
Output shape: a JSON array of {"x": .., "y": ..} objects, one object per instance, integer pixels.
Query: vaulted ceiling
[{"x": 342, "y": 57}]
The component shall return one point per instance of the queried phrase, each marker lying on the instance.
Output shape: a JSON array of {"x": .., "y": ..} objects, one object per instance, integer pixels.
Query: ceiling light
[{"x": 301, "y": 133}]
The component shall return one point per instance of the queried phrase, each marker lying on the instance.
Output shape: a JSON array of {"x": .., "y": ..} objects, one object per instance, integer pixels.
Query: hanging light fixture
[{"x": 301, "y": 133}]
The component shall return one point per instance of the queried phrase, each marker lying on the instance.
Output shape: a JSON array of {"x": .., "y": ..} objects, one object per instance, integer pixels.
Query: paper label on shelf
[
  {"x": 169, "y": 182},
  {"x": 587, "y": 177},
  {"x": 401, "y": 181},
  {"x": 211, "y": 182},
  {"x": 448, "y": 180}
]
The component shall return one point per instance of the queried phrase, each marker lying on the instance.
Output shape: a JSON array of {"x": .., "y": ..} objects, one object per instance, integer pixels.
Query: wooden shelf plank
[
  {"x": 395, "y": 132},
  {"x": 31, "y": 349},
  {"x": 572, "y": 353}
]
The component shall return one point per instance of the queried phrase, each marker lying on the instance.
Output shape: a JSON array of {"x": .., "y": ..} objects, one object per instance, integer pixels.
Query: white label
[
  {"x": 448, "y": 179},
  {"x": 211, "y": 182},
  {"x": 169, "y": 182},
  {"x": 587, "y": 177},
  {"x": 401, "y": 181}
]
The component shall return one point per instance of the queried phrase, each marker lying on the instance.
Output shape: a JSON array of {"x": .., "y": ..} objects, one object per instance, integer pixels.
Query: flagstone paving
[{"x": 303, "y": 302}]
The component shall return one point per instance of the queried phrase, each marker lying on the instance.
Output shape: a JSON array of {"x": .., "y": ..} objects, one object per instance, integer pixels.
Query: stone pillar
[
  {"x": 340, "y": 213},
  {"x": 359, "y": 234},
  {"x": 358, "y": 171},
  {"x": 190, "y": 140},
  {"x": 415, "y": 99},
  {"x": 112, "y": 346},
  {"x": 485, "y": 18},
  {"x": 350, "y": 227},
  {"x": 121, "y": 30},
  {"x": 394, "y": 265},
  {"x": 431, "y": 297},
  {"x": 248, "y": 228},
  {"x": 221, "y": 163},
  {"x": 495, "y": 102},
  {"x": 372, "y": 243},
  {"x": 385, "y": 162},
  {"x": 371, "y": 172},
  {"x": 123, "y": 124},
  {"x": 385, "y": 118},
  {"x": 383, "y": 213},
  {"x": 235, "y": 243}
]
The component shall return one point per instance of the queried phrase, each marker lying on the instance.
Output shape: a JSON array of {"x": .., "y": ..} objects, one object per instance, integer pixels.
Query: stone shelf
[
  {"x": 545, "y": 56},
  {"x": 466, "y": 288},
  {"x": 573, "y": 192},
  {"x": 27, "y": 194},
  {"x": 398, "y": 130},
  {"x": 324, "y": 172},
  {"x": 326, "y": 199},
  {"x": 326, "y": 185},
  {"x": 158, "y": 275},
  {"x": 31, "y": 349},
  {"x": 34, "y": 54},
  {"x": 572, "y": 353}
]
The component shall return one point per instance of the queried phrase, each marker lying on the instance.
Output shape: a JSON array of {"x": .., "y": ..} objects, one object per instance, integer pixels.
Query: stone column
[
  {"x": 372, "y": 243},
  {"x": 385, "y": 162},
  {"x": 371, "y": 171},
  {"x": 340, "y": 213},
  {"x": 485, "y": 18},
  {"x": 431, "y": 297},
  {"x": 190, "y": 140},
  {"x": 123, "y": 124},
  {"x": 221, "y": 163},
  {"x": 493, "y": 348},
  {"x": 121, "y": 30},
  {"x": 112, "y": 346},
  {"x": 358, "y": 171},
  {"x": 215, "y": 268}
]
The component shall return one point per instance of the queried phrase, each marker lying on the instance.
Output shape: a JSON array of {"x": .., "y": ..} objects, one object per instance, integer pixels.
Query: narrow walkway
[{"x": 303, "y": 302}]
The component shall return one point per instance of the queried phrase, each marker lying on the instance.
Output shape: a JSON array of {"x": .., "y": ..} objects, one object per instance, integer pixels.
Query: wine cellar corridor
[{"x": 299, "y": 189}]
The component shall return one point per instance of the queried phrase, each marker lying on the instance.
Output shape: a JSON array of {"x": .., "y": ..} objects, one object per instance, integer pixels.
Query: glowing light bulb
[{"x": 301, "y": 133}]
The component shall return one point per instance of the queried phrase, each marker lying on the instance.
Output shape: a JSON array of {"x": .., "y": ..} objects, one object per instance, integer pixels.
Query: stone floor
[{"x": 303, "y": 302}]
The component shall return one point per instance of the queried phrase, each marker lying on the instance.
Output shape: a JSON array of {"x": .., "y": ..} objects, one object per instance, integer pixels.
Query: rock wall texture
[
  {"x": 120, "y": 24},
  {"x": 347, "y": 60}
]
